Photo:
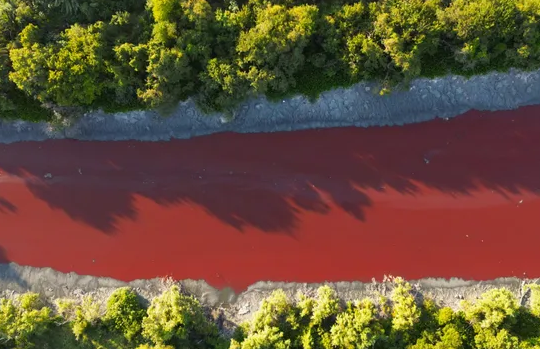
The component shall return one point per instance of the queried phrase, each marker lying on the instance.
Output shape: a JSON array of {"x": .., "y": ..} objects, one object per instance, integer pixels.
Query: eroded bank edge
[
  {"x": 355, "y": 106},
  {"x": 235, "y": 308}
]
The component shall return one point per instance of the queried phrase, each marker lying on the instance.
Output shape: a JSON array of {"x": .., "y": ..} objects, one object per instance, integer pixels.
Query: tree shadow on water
[
  {"x": 7, "y": 206},
  {"x": 267, "y": 180}
]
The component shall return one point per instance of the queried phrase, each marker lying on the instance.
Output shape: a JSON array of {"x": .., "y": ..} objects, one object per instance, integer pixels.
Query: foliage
[
  {"x": 347, "y": 45},
  {"x": 124, "y": 312},
  {"x": 271, "y": 52},
  {"x": 483, "y": 29},
  {"x": 494, "y": 309},
  {"x": 405, "y": 312},
  {"x": 157, "y": 346},
  {"x": 534, "y": 290},
  {"x": 76, "y": 69},
  {"x": 177, "y": 319},
  {"x": 357, "y": 327},
  {"x": 81, "y": 316},
  {"x": 409, "y": 32},
  {"x": 23, "y": 319},
  {"x": 122, "y": 54}
]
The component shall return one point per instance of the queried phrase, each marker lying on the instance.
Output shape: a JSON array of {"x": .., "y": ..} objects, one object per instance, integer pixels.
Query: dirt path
[{"x": 456, "y": 198}]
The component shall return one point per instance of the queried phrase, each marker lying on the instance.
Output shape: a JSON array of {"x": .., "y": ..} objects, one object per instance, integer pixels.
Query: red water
[{"x": 310, "y": 206}]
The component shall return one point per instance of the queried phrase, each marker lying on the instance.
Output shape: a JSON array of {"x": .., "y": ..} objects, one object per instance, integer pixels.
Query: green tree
[
  {"x": 405, "y": 312},
  {"x": 179, "y": 50},
  {"x": 451, "y": 333},
  {"x": 348, "y": 38},
  {"x": 357, "y": 327},
  {"x": 157, "y": 346},
  {"x": 409, "y": 30},
  {"x": 222, "y": 86},
  {"x": 266, "y": 338},
  {"x": 29, "y": 63},
  {"x": 322, "y": 315},
  {"x": 492, "y": 339},
  {"x": 6, "y": 104},
  {"x": 494, "y": 309},
  {"x": 22, "y": 319},
  {"x": 272, "y": 326},
  {"x": 179, "y": 320},
  {"x": 275, "y": 311},
  {"x": 526, "y": 50},
  {"x": 271, "y": 52},
  {"x": 124, "y": 313},
  {"x": 77, "y": 72},
  {"x": 480, "y": 30},
  {"x": 71, "y": 72},
  {"x": 128, "y": 68},
  {"x": 81, "y": 316},
  {"x": 534, "y": 299}
]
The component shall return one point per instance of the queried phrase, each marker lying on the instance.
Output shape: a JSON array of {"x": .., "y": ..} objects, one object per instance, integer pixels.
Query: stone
[{"x": 244, "y": 309}]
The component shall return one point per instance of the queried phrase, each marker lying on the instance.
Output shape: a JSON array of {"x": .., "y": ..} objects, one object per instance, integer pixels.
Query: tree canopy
[{"x": 120, "y": 54}]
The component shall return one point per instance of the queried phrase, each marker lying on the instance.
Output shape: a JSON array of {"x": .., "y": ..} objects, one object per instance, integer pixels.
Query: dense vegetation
[
  {"x": 175, "y": 320},
  {"x": 123, "y": 54}
]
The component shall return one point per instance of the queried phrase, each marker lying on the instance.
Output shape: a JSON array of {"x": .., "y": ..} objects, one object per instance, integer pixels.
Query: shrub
[
  {"x": 80, "y": 316},
  {"x": 357, "y": 327},
  {"x": 22, "y": 319},
  {"x": 124, "y": 313},
  {"x": 494, "y": 308},
  {"x": 177, "y": 319},
  {"x": 405, "y": 312}
]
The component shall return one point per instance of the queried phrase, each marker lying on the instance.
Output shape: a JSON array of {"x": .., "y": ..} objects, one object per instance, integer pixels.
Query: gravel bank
[{"x": 356, "y": 106}]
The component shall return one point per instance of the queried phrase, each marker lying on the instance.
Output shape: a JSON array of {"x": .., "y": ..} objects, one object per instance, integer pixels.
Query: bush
[
  {"x": 124, "y": 313},
  {"x": 177, "y": 319},
  {"x": 23, "y": 319},
  {"x": 80, "y": 316}
]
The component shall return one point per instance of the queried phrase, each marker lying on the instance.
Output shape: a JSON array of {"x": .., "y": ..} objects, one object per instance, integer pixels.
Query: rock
[
  {"x": 244, "y": 309},
  {"x": 47, "y": 175}
]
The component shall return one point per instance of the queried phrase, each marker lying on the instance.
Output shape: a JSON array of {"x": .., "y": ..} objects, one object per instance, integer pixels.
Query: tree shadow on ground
[{"x": 266, "y": 180}]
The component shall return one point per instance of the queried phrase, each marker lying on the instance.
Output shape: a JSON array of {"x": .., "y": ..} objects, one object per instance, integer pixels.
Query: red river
[{"x": 456, "y": 198}]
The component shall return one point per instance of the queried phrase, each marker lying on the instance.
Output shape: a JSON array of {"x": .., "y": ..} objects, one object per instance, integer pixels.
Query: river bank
[{"x": 359, "y": 105}]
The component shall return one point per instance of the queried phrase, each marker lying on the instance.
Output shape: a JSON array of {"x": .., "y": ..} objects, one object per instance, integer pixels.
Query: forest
[
  {"x": 122, "y": 55},
  {"x": 403, "y": 320}
]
